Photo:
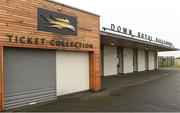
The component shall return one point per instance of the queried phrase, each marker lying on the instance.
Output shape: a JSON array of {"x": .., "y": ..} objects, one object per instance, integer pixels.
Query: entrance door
[
  {"x": 29, "y": 76},
  {"x": 72, "y": 72},
  {"x": 135, "y": 60},
  {"x": 146, "y": 60},
  {"x": 110, "y": 60},
  {"x": 120, "y": 60}
]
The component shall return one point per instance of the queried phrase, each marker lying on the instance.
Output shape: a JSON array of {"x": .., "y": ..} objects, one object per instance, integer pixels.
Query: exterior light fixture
[
  {"x": 60, "y": 9},
  {"x": 104, "y": 28},
  {"x": 112, "y": 43}
]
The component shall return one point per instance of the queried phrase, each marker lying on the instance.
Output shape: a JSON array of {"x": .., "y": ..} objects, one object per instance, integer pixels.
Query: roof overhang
[{"x": 130, "y": 42}]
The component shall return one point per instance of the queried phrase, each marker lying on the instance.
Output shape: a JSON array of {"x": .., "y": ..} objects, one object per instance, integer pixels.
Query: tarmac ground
[{"x": 149, "y": 91}]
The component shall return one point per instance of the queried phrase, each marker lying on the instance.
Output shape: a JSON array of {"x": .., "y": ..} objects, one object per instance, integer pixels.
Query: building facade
[
  {"x": 123, "y": 54},
  {"x": 48, "y": 49}
]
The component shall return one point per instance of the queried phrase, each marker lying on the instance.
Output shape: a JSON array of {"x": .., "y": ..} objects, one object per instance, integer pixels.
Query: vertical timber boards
[
  {"x": 94, "y": 71},
  {"x": 19, "y": 18}
]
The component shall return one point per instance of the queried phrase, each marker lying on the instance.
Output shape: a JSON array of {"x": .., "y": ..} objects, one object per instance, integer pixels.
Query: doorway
[
  {"x": 146, "y": 60},
  {"x": 72, "y": 72},
  {"x": 120, "y": 60},
  {"x": 135, "y": 60},
  {"x": 155, "y": 60},
  {"x": 29, "y": 76}
]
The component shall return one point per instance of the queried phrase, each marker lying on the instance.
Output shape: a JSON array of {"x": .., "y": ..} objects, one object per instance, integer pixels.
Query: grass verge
[{"x": 174, "y": 66}]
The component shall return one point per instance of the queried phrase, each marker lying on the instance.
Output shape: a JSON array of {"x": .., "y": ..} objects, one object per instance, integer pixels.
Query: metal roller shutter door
[{"x": 29, "y": 76}]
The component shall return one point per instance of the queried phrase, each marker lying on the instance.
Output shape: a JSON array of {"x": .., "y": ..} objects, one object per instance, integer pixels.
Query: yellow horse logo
[{"x": 59, "y": 23}]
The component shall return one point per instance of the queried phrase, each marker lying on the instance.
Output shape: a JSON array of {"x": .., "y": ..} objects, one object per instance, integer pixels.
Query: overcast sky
[{"x": 159, "y": 18}]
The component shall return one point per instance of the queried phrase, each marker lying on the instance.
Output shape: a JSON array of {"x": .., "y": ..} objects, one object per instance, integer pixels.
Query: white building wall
[
  {"x": 128, "y": 60},
  {"x": 141, "y": 60},
  {"x": 151, "y": 60},
  {"x": 110, "y": 60}
]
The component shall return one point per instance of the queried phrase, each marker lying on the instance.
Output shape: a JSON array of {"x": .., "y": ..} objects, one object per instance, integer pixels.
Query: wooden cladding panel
[
  {"x": 19, "y": 17},
  {"x": 17, "y": 14}
]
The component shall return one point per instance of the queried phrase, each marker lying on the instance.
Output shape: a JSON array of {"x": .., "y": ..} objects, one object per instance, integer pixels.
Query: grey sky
[{"x": 159, "y": 18}]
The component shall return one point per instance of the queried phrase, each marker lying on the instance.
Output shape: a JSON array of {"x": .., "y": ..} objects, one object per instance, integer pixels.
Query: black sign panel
[{"x": 56, "y": 22}]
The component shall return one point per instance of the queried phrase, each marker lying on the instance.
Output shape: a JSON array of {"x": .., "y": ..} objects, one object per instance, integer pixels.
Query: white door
[
  {"x": 72, "y": 72},
  {"x": 110, "y": 60}
]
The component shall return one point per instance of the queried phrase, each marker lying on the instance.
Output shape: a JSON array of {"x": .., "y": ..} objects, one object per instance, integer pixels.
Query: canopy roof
[{"x": 129, "y": 42}]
